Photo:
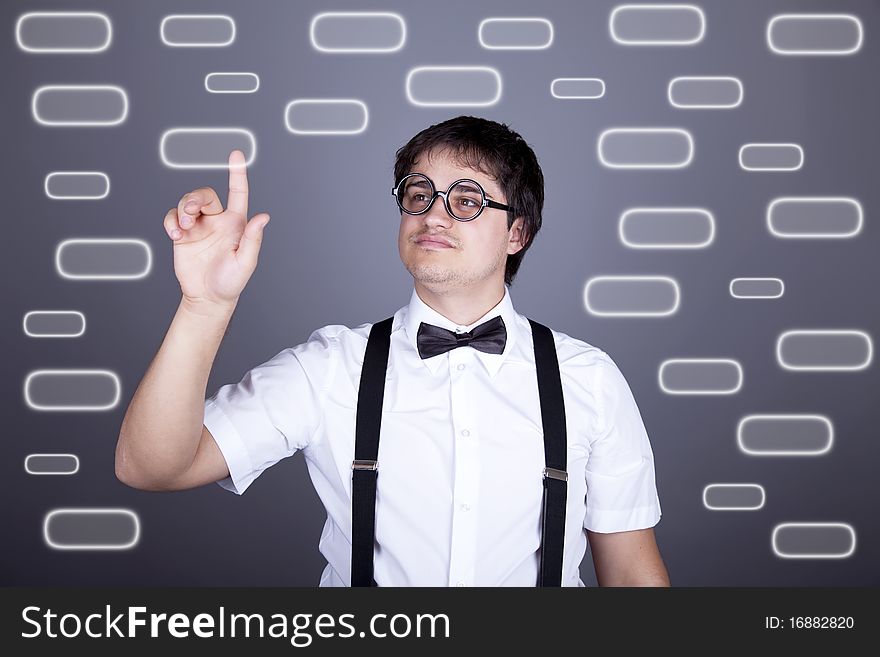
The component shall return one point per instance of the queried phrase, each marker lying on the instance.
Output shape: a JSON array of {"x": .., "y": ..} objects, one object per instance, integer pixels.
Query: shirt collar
[{"x": 418, "y": 311}]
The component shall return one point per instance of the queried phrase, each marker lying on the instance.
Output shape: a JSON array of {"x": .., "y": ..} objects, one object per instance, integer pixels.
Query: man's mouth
[{"x": 432, "y": 242}]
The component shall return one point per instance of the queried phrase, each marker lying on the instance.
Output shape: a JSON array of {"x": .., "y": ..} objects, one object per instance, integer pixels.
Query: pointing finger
[{"x": 238, "y": 184}]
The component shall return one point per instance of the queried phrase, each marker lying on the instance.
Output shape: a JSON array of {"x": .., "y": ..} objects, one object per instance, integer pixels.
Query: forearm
[{"x": 161, "y": 429}]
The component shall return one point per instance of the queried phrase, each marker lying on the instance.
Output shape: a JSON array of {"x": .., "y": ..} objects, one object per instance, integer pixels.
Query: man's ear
[{"x": 516, "y": 233}]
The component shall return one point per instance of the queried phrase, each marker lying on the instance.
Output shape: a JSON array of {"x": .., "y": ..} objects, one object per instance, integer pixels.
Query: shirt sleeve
[
  {"x": 621, "y": 487},
  {"x": 274, "y": 410}
]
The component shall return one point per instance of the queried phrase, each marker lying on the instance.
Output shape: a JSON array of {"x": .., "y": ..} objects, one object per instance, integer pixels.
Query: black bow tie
[{"x": 490, "y": 336}]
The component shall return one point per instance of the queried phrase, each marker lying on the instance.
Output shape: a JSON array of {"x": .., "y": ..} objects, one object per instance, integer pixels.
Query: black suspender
[
  {"x": 555, "y": 446},
  {"x": 366, "y": 451},
  {"x": 364, "y": 468}
]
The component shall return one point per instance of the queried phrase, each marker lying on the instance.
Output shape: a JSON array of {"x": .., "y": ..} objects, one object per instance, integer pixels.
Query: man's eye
[{"x": 468, "y": 202}]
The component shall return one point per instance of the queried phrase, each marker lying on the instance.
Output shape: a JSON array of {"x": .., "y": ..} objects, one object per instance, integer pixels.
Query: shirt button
[
  {"x": 465, "y": 433},
  {"x": 461, "y": 366},
  {"x": 465, "y": 507},
  {"x": 460, "y": 584}
]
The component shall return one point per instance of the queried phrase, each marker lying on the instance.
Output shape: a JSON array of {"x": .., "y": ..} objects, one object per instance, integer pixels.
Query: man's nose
[{"x": 437, "y": 214}]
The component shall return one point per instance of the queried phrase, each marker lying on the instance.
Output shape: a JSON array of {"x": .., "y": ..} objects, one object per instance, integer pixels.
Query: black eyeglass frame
[{"x": 487, "y": 202}]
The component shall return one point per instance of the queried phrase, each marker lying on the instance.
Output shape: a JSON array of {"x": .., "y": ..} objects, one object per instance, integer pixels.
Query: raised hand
[{"x": 216, "y": 250}]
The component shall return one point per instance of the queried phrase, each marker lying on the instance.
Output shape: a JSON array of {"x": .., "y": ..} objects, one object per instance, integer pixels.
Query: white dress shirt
[{"x": 461, "y": 454}]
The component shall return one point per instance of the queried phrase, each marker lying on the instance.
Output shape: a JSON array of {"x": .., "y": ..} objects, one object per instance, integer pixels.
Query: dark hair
[{"x": 497, "y": 151}]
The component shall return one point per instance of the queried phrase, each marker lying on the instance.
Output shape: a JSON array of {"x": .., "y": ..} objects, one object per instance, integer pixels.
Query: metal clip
[
  {"x": 363, "y": 464},
  {"x": 556, "y": 474}
]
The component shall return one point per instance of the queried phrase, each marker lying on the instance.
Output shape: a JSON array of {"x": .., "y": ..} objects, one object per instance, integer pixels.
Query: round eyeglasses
[{"x": 464, "y": 199}]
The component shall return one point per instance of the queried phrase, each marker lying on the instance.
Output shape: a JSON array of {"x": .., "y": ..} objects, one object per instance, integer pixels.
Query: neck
[{"x": 462, "y": 306}]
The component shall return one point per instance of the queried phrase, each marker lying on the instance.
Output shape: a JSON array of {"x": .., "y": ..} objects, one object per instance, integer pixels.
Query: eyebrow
[
  {"x": 473, "y": 188},
  {"x": 422, "y": 183}
]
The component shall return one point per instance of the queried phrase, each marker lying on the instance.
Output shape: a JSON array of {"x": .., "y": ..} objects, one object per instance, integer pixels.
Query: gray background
[{"x": 337, "y": 262}]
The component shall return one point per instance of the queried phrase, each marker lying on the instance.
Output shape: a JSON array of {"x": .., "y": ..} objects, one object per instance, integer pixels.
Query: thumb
[{"x": 251, "y": 240}]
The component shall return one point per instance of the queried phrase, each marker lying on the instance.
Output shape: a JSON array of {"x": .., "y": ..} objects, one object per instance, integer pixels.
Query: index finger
[{"x": 238, "y": 184}]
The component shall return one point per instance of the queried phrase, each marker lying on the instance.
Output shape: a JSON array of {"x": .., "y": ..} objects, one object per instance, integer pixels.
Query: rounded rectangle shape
[
  {"x": 103, "y": 258},
  {"x": 230, "y": 82},
  {"x": 79, "y": 105},
  {"x": 813, "y": 540},
  {"x": 521, "y": 33},
  {"x": 816, "y": 350},
  {"x": 814, "y": 217},
  {"x": 205, "y": 148},
  {"x": 197, "y": 30},
  {"x": 757, "y": 288},
  {"x": 666, "y": 228},
  {"x": 577, "y": 88},
  {"x": 631, "y": 296},
  {"x": 91, "y": 529},
  {"x": 63, "y": 32},
  {"x": 785, "y": 435},
  {"x": 705, "y": 92},
  {"x": 645, "y": 148},
  {"x": 51, "y": 464},
  {"x": 357, "y": 32},
  {"x": 72, "y": 390},
  {"x": 657, "y": 25},
  {"x": 700, "y": 376},
  {"x": 814, "y": 34},
  {"x": 771, "y": 157},
  {"x": 734, "y": 497},
  {"x": 54, "y": 324},
  {"x": 326, "y": 116},
  {"x": 77, "y": 185},
  {"x": 453, "y": 86}
]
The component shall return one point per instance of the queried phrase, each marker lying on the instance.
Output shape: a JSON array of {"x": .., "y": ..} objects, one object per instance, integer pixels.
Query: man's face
[{"x": 479, "y": 248}]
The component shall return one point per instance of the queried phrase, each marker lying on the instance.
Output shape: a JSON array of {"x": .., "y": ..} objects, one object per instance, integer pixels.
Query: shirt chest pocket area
[{"x": 407, "y": 393}]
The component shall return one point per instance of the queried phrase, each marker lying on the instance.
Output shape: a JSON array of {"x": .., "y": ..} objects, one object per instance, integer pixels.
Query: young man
[{"x": 505, "y": 446}]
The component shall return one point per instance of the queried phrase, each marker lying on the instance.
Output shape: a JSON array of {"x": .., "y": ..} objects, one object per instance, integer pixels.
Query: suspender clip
[
  {"x": 364, "y": 464},
  {"x": 555, "y": 474}
]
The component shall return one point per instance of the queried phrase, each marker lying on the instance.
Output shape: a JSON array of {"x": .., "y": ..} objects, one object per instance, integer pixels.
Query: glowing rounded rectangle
[
  {"x": 813, "y": 540},
  {"x": 453, "y": 86},
  {"x": 51, "y": 464},
  {"x": 103, "y": 258},
  {"x": 54, "y": 324},
  {"x": 326, "y": 116},
  {"x": 77, "y": 185},
  {"x": 814, "y": 34},
  {"x": 577, "y": 88},
  {"x": 815, "y": 217},
  {"x": 657, "y": 25},
  {"x": 197, "y": 30},
  {"x": 700, "y": 376},
  {"x": 91, "y": 529},
  {"x": 79, "y": 105},
  {"x": 627, "y": 148},
  {"x": 705, "y": 92},
  {"x": 785, "y": 435},
  {"x": 816, "y": 350},
  {"x": 357, "y": 32},
  {"x": 771, "y": 157},
  {"x": 63, "y": 32},
  {"x": 205, "y": 148},
  {"x": 757, "y": 288},
  {"x": 666, "y": 228},
  {"x": 72, "y": 390},
  {"x": 521, "y": 33},
  {"x": 228, "y": 82},
  {"x": 734, "y": 497},
  {"x": 631, "y": 296}
]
